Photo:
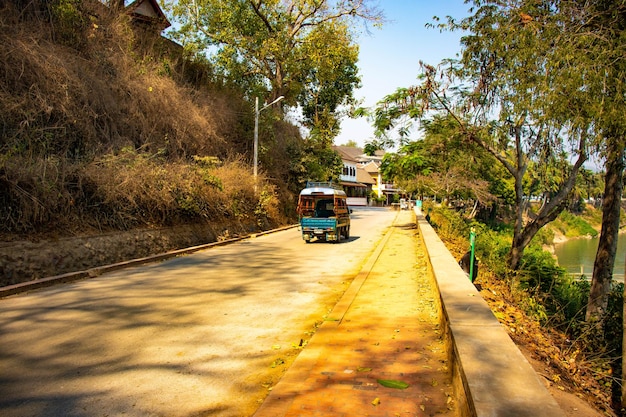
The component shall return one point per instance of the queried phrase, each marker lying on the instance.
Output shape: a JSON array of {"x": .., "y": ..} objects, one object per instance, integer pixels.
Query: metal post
[
  {"x": 256, "y": 138},
  {"x": 256, "y": 134},
  {"x": 472, "y": 244}
]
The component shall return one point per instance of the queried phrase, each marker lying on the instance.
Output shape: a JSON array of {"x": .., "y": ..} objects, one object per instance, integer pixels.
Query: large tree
[
  {"x": 597, "y": 31},
  {"x": 440, "y": 164},
  {"x": 512, "y": 93},
  {"x": 300, "y": 49}
]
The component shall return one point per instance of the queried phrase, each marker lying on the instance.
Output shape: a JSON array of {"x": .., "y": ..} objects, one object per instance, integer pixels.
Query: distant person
[{"x": 464, "y": 263}]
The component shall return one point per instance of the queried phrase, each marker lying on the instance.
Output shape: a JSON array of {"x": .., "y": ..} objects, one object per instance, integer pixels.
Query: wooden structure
[{"x": 148, "y": 12}]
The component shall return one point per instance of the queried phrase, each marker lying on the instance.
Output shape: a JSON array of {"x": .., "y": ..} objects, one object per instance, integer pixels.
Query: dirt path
[{"x": 385, "y": 328}]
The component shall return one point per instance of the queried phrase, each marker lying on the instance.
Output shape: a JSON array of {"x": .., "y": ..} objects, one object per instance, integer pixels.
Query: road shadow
[{"x": 344, "y": 240}]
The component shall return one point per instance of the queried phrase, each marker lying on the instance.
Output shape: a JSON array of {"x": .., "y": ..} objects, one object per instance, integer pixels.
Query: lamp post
[{"x": 256, "y": 132}]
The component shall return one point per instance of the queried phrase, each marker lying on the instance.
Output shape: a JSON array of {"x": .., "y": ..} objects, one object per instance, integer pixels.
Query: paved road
[{"x": 203, "y": 334}]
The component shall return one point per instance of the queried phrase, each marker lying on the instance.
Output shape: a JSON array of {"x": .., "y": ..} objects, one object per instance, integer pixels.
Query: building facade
[{"x": 361, "y": 177}]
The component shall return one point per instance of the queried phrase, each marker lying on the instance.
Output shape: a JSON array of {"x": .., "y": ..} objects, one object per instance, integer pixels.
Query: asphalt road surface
[{"x": 204, "y": 334}]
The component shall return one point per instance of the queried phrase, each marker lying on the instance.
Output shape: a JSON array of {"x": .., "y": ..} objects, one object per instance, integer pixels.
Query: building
[
  {"x": 361, "y": 177},
  {"x": 356, "y": 182},
  {"x": 144, "y": 13},
  {"x": 149, "y": 13}
]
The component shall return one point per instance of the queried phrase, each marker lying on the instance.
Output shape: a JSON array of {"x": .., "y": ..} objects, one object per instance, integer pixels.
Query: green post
[{"x": 472, "y": 244}]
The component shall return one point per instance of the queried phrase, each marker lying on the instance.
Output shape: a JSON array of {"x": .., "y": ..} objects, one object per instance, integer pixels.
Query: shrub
[
  {"x": 573, "y": 226},
  {"x": 492, "y": 249},
  {"x": 538, "y": 270}
]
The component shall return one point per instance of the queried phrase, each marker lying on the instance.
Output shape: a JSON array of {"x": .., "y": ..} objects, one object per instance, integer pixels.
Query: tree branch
[{"x": 257, "y": 10}]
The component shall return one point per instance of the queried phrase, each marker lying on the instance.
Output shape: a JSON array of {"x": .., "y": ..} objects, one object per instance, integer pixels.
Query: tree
[
  {"x": 300, "y": 49},
  {"x": 329, "y": 81},
  {"x": 510, "y": 94},
  {"x": 351, "y": 144},
  {"x": 598, "y": 31},
  {"x": 439, "y": 163}
]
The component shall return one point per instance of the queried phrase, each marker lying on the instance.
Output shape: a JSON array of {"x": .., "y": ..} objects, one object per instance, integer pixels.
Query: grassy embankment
[
  {"x": 105, "y": 126},
  {"x": 542, "y": 307}
]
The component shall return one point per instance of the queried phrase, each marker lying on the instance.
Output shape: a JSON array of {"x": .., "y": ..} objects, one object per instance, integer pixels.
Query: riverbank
[{"x": 569, "y": 227}]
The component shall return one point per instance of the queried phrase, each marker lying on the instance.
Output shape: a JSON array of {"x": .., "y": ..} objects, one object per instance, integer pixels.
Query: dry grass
[
  {"x": 102, "y": 126},
  {"x": 77, "y": 103}
]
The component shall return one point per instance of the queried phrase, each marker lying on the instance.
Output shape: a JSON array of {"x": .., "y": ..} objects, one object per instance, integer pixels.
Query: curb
[
  {"x": 99, "y": 270},
  {"x": 490, "y": 375}
]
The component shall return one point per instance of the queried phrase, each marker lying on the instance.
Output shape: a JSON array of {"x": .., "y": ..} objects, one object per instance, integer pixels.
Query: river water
[{"x": 578, "y": 255}]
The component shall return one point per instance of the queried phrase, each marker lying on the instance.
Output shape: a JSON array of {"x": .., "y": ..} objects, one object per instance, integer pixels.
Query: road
[{"x": 203, "y": 334}]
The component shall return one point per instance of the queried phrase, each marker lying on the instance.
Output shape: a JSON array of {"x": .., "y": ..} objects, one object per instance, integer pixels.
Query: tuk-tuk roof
[{"x": 320, "y": 190}]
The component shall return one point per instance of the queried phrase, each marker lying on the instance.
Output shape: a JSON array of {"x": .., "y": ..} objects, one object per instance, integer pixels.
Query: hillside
[{"x": 107, "y": 128}]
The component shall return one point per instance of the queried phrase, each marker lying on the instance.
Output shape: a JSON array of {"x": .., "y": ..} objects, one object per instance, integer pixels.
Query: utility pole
[{"x": 256, "y": 133}]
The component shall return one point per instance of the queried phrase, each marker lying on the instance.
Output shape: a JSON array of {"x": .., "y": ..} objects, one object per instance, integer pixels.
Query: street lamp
[{"x": 256, "y": 131}]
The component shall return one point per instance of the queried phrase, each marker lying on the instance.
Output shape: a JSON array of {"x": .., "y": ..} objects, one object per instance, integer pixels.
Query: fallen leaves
[
  {"x": 392, "y": 383},
  {"x": 277, "y": 362}
]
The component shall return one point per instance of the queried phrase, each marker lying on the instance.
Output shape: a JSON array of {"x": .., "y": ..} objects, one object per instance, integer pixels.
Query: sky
[{"x": 389, "y": 57}]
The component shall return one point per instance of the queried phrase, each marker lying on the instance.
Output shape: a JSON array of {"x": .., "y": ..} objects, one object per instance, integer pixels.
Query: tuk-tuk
[{"x": 323, "y": 212}]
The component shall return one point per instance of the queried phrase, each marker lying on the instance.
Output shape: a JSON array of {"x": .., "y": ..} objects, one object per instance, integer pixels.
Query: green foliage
[
  {"x": 573, "y": 226},
  {"x": 545, "y": 236},
  {"x": 331, "y": 79},
  {"x": 568, "y": 303},
  {"x": 267, "y": 207},
  {"x": 409, "y": 162},
  {"x": 492, "y": 248},
  {"x": 370, "y": 148},
  {"x": 613, "y": 321},
  {"x": 538, "y": 270},
  {"x": 298, "y": 49},
  {"x": 69, "y": 20},
  {"x": 545, "y": 291},
  {"x": 510, "y": 95},
  {"x": 593, "y": 215},
  {"x": 447, "y": 222},
  {"x": 322, "y": 163},
  {"x": 552, "y": 296},
  {"x": 534, "y": 308}
]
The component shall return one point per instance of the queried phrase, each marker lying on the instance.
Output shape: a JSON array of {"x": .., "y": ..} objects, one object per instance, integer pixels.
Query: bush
[
  {"x": 538, "y": 270},
  {"x": 547, "y": 292},
  {"x": 492, "y": 249},
  {"x": 573, "y": 226},
  {"x": 135, "y": 188}
]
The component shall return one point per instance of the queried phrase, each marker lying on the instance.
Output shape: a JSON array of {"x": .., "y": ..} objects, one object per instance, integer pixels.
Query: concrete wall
[{"x": 492, "y": 378}]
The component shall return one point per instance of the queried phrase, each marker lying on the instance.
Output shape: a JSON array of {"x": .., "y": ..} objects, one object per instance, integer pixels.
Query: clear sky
[{"x": 389, "y": 57}]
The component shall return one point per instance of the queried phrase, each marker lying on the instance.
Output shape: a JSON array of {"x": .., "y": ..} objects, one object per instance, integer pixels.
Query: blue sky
[{"x": 389, "y": 57}]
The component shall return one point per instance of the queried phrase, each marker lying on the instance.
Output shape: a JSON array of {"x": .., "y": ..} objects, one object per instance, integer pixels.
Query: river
[{"x": 578, "y": 255}]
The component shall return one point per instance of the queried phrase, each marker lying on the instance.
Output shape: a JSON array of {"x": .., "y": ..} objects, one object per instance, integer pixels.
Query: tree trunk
[
  {"x": 607, "y": 245},
  {"x": 550, "y": 210},
  {"x": 518, "y": 245}
]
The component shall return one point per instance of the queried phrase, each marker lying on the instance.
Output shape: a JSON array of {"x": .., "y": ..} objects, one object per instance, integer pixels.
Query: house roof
[
  {"x": 348, "y": 153},
  {"x": 371, "y": 167},
  {"x": 149, "y": 11},
  {"x": 354, "y": 154},
  {"x": 364, "y": 177}
]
